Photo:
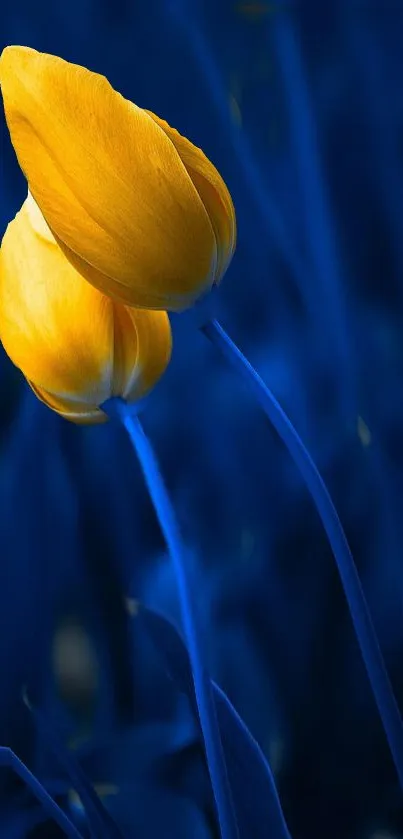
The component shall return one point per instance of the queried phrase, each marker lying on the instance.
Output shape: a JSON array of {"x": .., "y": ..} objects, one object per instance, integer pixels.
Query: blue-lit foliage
[{"x": 300, "y": 106}]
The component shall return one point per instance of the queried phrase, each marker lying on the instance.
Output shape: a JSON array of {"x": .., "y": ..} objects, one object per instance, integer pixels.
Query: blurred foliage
[{"x": 300, "y": 106}]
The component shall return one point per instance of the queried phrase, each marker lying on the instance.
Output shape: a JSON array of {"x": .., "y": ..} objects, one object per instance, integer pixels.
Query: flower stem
[
  {"x": 360, "y": 615},
  {"x": 203, "y": 690},
  {"x": 8, "y": 758}
]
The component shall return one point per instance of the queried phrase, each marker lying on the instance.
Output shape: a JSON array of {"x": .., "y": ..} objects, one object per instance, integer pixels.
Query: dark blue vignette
[{"x": 300, "y": 106}]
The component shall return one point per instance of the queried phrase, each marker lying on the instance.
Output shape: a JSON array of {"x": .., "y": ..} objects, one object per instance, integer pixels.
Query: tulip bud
[
  {"x": 76, "y": 347},
  {"x": 136, "y": 208}
]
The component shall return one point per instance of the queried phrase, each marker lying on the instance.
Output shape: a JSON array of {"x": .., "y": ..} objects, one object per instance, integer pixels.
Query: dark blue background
[{"x": 301, "y": 109}]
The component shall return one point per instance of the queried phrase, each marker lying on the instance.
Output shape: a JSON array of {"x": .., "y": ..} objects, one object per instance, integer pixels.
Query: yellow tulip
[
  {"x": 137, "y": 209},
  {"x": 75, "y": 346}
]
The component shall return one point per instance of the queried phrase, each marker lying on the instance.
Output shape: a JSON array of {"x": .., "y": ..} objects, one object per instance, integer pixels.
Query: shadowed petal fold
[
  {"x": 76, "y": 347},
  {"x": 213, "y": 192}
]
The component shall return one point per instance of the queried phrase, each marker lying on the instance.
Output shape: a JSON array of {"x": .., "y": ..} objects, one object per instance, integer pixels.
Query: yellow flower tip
[
  {"x": 138, "y": 210},
  {"x": 76, "y": 347},
  {"x": 213, "y": 192},
  {"x": 7, "y": 58},
  {"x": 14, "y": 53}
]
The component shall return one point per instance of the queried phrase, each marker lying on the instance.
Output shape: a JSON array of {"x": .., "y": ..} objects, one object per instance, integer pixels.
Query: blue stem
[
  {"x": 379, "y": 124},
  {"x": 203, "y": 690},
  {"x": 100, "y": 822},
  {"x": 316, "y": 205},
  {"x": 361, "y": 618},
  {"x": 8, "y": 758}
]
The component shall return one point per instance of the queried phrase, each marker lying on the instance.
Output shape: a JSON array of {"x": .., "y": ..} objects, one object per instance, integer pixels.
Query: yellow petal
[
  {"x": 142, "y": 350},
  {"x": 79, "y": 414},
  {"x": 108, "y": 181},
  {"x": 45, "y": 308},
  {"x": 74, "y": 345},
  {"x": 213, "y": 192}
]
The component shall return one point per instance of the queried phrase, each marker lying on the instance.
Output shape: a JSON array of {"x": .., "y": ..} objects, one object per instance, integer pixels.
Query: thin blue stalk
[
  {"x": 316, "y": 206},
  {"x": 381, "y": 125},
  {"x": 8, "y": 758},
  {"x": 203, "y": 691},
  {"x": 100, "y": 822},
  {"x": 360, "y": 615},
  {"x": 252, "y": 782},
  {"x": 236, "y": 139}
]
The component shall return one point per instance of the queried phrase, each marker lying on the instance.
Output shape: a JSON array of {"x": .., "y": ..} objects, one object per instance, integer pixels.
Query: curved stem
[
  {"x": 316, "y": 208},
  {"x": 101, "y": 823},
  {"x": 203, "y": 689},
  {"x": 8, "y": 758},
  {"x": 360, "y": 615}
]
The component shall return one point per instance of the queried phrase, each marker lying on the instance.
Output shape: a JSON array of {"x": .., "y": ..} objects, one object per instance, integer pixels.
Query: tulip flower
[
  {"x": 76, "y": 347},
  {"x": 136, "y": 208}
]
